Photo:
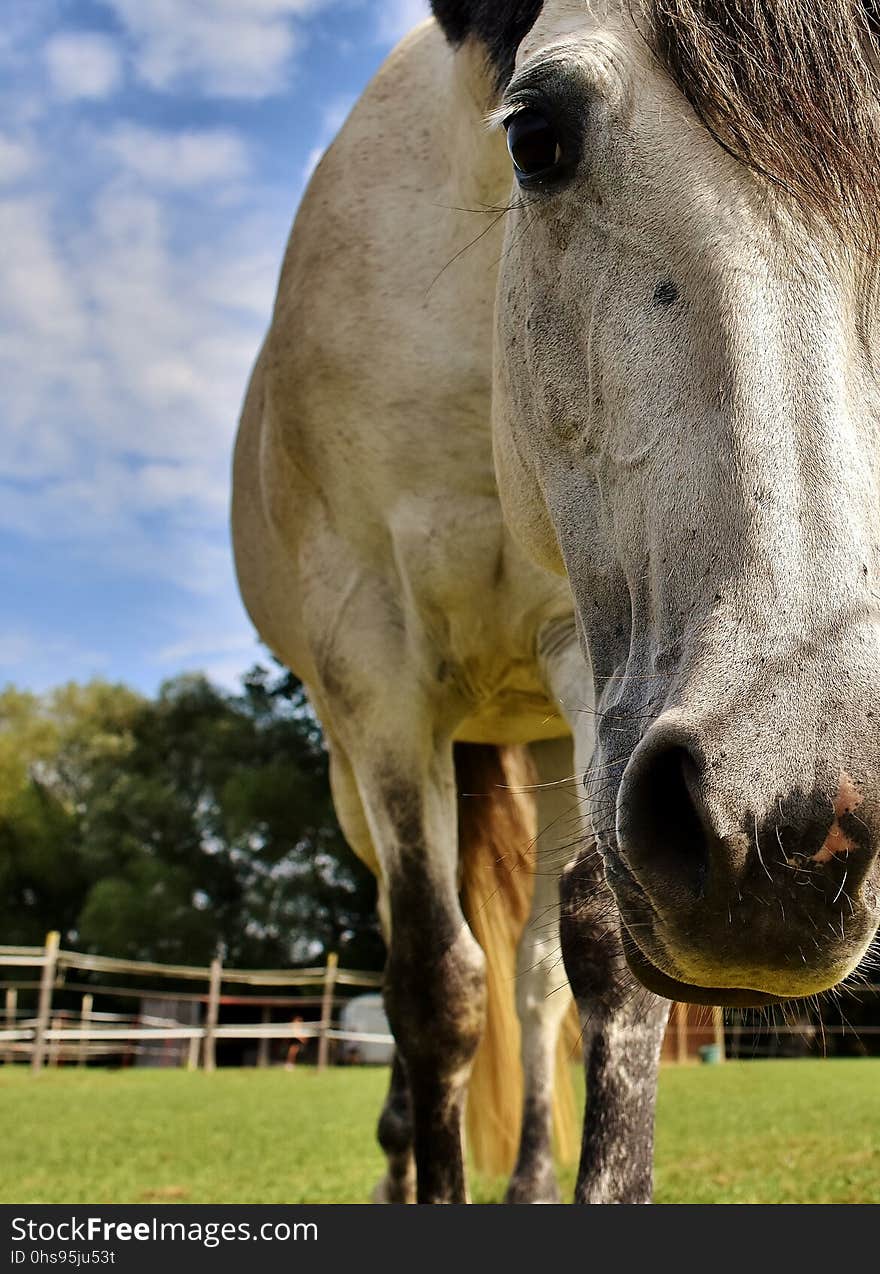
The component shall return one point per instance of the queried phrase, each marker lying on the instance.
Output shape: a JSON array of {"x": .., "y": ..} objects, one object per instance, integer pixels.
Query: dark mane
[
  {"x": 500, "y": 25},
  {"x": 791, "y": 88}
]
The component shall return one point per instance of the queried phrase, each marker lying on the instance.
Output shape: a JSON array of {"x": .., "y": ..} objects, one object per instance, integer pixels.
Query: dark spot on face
[{"x": 666, "y": 292}]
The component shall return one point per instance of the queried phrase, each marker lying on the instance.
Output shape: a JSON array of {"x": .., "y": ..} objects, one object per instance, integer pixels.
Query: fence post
[
  {"x": 681, "y": 1032},
  {"x": 718, "y": 1020},
  {"x": 327, "y": 1009},
  {"x": 11, "y": 1018},
  {"x": 263, "y": 1045},
  {"x": 53, "y": 1052},
  {"x": 209, "y": 1057},
  {"x": 44, "y": 1008},
  {"x": 85, "y": 1021},
  {"x": 192, "y": 1056}
]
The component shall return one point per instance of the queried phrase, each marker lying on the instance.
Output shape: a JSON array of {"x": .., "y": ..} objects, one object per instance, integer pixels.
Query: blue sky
[{"x": 152, "y": 154}]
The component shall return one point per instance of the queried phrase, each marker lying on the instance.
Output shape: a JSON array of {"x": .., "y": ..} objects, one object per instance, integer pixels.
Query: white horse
[{"x": 659, "y": 300}]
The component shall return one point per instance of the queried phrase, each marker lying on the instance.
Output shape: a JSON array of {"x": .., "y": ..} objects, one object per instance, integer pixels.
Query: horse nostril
[{"x": 661, "y": 830}]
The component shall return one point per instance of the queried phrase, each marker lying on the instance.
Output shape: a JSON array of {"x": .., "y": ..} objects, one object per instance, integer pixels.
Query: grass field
[{"x": 751, "y": 1132}]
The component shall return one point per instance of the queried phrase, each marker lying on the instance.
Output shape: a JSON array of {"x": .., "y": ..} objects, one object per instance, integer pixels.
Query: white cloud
[
  {"x": 38, "y": 297},
  {"x": 16, "y": 160},
  {"x": 180, "y": 159},
  {"x": 196, "y": 646},
  {"x": 223, "y": 658},
  {"x": 244, "y": 278},
  {"x": 83, "y": 64},
  {"x": 179, "y": 356},
  {"x": 398, "y": 17},
  {"x": 228, "y": 48},
  {"x": 124, "y": 358}
]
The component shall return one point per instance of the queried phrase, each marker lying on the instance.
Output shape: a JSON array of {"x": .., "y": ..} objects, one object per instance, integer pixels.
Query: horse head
[{"x": 685, "y": 413}]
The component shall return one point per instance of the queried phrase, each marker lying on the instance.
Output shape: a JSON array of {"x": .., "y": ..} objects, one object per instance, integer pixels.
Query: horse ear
[{"x": 500, "y": 25}]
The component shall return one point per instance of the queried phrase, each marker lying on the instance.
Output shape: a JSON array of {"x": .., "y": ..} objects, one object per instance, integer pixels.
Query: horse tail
[
  {"x": 566, "y": 1123},
  {"x": 497, "y": 833}
]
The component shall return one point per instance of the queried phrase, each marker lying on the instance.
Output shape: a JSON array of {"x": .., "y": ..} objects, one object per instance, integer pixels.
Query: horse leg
[
  {"x": 395, "y": 1133},
  {"x": 542, "y": 993},
  {"x": 623, "y": 1024},
  {"x": 622, "y": 1036},
  {"x": 435, "y": 975},
  {"x": 396, "y": 1139}
]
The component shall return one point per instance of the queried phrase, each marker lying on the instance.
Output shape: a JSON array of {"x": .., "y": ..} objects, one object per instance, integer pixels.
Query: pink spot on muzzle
[{"x": 837, "y": 842}]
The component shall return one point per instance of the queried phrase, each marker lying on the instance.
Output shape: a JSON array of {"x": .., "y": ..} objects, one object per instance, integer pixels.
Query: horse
[{"x": 563, "y": 443}]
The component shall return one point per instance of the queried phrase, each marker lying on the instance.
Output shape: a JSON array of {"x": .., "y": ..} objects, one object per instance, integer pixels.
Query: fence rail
[
  {"x": 42, "y": 1037},
  {"x": 36, "y": 957},
  {"x": 177, "y": 1032}
]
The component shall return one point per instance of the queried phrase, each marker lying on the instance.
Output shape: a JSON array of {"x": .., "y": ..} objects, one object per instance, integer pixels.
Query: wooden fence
[
  {"x": 42, "y": 1037},
  {"x": 56, "y": 1033}
]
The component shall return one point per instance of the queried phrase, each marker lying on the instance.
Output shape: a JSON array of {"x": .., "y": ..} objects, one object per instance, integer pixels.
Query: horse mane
[
  {"x": 791, "y": 88},
  {"x": 499, "y": 25}
]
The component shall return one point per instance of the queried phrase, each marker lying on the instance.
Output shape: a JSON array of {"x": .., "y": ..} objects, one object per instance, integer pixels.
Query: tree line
[{"x": 174, "y": 827}]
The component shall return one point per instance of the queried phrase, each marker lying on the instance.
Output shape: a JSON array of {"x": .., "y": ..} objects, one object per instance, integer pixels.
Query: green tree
[
  {"x": 165, "y": 829},
  {"x": 49, "y": 747}
]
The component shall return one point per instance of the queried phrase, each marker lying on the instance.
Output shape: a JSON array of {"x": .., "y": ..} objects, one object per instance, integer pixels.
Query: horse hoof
[
  {"x": 388, "y": 1191},
  {"x": 544, "y": 1190}
]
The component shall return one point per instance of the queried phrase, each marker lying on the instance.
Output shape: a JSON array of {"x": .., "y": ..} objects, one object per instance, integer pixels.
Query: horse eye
[{"x": 533, "y": 144}]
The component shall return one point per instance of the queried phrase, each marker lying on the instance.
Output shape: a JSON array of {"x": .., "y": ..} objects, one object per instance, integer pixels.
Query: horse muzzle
[{"x": 722, "y": 907}]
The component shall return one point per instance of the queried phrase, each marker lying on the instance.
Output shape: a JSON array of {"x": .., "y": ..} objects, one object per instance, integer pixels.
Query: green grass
[{"x": 750, "y": 1132}]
